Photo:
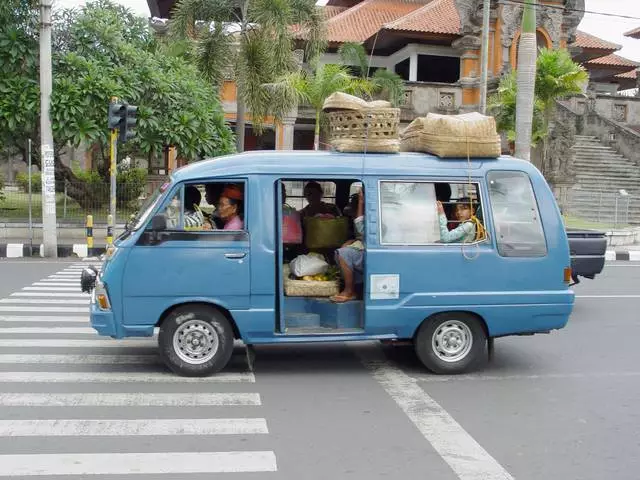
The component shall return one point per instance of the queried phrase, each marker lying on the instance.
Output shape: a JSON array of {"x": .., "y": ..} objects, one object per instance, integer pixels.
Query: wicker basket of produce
[
  {"x": 369, "y": 129},
  {"x": 322, "y": 285}
]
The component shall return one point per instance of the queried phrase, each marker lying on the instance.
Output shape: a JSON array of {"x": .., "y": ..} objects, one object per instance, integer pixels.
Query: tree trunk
[
  {"x": 316, "y": 135},
  {"x": 526, "y": 77},
  {"x": 240, "y": 122}
]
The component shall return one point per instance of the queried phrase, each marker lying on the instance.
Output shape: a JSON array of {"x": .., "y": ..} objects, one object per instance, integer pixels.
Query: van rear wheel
[
  {"x": 195, "y": 341},
  {"x": 451, "y": 343}
]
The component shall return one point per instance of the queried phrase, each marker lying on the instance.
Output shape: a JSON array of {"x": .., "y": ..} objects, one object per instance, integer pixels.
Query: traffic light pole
[{"x": 113, "y": 154}]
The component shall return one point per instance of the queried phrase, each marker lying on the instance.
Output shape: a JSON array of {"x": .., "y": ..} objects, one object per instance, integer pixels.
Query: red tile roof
[
  {"x": 364, "y": 20},
  {"x": 635, "y": 33},
  {"x": 331, "y": 11},
  {"x": 631, "y": 75},
  {"x": 613, "y": 60},
  {"x": 586, "y": 40},
  {"x": 438, "y": 16}
]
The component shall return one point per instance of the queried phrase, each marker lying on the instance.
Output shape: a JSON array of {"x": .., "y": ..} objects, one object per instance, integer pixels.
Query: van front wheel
[
  {"x": 195, "y": 341},
  {"x": 451, "y": 343}
]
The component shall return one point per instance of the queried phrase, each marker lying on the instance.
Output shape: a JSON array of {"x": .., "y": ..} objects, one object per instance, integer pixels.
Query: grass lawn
[
  {"x": 15, "y": 207},
  {"x": 575, "y": 222}
]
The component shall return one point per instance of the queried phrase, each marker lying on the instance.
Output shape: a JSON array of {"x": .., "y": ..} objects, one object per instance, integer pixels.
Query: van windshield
[{"x": 147, "y": 207}]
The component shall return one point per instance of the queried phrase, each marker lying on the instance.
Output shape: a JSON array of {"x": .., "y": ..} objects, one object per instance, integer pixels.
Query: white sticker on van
[{"x": 385, "y": 287}]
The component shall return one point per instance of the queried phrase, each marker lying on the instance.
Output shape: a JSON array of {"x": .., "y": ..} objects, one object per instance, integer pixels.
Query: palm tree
[
  {"x": 251, "y": 41},
  {"x": 526, "y": 75},
  {"x": 387, "y": 84},
  {"x": 313, "y": 87}
]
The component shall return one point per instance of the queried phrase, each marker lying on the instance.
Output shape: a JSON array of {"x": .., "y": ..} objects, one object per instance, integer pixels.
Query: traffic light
[
  {"x": 116, "y": 113},
  {"x": 128, "y": 123}
]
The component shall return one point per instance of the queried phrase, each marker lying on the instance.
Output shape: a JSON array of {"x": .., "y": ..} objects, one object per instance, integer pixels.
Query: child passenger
[{"x": 465, "y": 232}]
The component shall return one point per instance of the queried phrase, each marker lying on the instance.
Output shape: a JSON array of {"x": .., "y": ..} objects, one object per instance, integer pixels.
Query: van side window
[
  {"x": 519, "y": 231},
  {"x": 207, "y": 206},
  {"x": 409, "y": 213}
]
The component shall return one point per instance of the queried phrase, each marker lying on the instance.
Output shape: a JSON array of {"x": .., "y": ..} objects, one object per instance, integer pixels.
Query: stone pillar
[
  {"x": 470, "y": 71},
  {"x": 284, "y": 134},
  {"x": 413, "y": 67},
  {"x": 172, "y": 162}
]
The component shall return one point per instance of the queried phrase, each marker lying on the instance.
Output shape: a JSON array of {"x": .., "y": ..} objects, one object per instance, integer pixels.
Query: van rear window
[{"x": 519, "y": 231}]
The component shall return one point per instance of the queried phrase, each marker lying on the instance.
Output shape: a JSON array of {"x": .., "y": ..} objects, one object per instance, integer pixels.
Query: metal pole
[
  {"x": 64, "y": 208},
  {"x": 113, "y": 152},
  {"x": 49, "y": 234},
  {"x": 486, "y": 13},
  {"x": 30, "y": 200}
]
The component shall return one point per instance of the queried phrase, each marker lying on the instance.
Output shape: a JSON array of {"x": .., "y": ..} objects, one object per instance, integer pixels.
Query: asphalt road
[{"x": 558, "y": 406}]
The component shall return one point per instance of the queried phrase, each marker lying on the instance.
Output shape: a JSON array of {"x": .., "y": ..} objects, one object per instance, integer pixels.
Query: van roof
[{"x": 326, "y": 163}]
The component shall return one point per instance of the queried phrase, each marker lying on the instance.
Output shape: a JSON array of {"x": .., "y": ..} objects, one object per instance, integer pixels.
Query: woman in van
[
  {"x": 313, "y": 193},
  {"x": 465, "y": 232},
  {"x": 230, "y": 207}
]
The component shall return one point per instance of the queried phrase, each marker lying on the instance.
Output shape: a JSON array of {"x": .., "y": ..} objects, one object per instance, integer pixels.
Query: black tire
[
  {"x": 452, "y": 324},
  {"x": 195, "y": 321}
]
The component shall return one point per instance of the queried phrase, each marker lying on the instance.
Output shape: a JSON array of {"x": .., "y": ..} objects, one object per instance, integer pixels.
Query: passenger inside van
[
  {"x": 193, "y": 217},
  {"x": 313, "y": 194},
  {"x": 230, "y": 207},
  {"x": 350, "y": 257},
  {"x": 465, "y": 232},
  {"x": 212, "y": 196}
]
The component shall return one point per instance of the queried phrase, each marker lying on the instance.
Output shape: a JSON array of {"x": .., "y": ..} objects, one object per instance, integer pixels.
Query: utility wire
[{"x": 565, "y": 9}]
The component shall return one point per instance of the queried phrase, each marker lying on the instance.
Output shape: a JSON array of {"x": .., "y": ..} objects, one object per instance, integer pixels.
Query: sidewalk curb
[
  {"x": 78, "y": 250},
  {"x": 623, "y": 255}
]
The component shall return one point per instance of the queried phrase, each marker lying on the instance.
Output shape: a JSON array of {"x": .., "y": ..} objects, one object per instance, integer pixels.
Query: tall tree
[
  {"x": 252, "y": 42},
  {"x": 526, "y": 75}
]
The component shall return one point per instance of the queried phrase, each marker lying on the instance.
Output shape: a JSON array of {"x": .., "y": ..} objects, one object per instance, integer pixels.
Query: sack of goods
[
  {"x": 356, "y": 125},
  {"x": 325, "y": 232},
  {"x": 453, "y": 136}
]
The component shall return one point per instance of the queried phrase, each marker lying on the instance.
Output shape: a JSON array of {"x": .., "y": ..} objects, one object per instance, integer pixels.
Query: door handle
[{"x": 235, "y": 256}]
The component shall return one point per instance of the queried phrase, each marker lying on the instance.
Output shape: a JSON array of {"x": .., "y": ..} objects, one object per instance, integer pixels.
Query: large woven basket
[
  {"x": 344, "y": 101},
  {"x": 469, "y": 134},
  {"x": 370, "y": 129},
  {"x": 307, "y": 288}
]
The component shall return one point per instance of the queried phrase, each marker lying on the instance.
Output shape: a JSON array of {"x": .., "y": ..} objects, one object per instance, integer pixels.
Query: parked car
[{"x": 588, "y": 250}]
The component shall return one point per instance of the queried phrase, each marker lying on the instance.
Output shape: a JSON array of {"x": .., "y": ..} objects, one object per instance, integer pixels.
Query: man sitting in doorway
[{"x": 350, "y": 257}]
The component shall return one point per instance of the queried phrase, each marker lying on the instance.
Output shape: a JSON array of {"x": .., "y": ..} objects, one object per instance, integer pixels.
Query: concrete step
[{"x": 612, "y": 175}]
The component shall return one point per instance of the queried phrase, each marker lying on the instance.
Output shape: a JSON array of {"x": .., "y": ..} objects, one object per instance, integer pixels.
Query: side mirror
[{"x": 158, "y": 223}]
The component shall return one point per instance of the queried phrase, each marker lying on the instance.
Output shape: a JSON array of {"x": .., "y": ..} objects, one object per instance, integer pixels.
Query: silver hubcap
[
  {"x": 452, "y": 341},
  {"x": 196, "y": 342}
]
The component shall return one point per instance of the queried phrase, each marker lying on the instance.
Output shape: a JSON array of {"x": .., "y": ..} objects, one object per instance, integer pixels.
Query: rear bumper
[{"x": 587, "y": 265}]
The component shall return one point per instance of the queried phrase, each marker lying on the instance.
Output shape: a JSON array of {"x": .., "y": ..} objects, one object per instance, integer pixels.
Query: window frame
[
  {"x": 535, "y": 202},
  {"x": 477, "y": 182}
]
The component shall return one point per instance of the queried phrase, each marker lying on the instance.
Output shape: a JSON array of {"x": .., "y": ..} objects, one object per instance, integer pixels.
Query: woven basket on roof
[
  {"x": 344, "y": 101},
  {"x": 371, "y": 129},
  {"x": 470, "y": 134}
]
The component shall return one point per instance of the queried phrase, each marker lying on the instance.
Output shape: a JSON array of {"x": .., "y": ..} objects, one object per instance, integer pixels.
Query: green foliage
[
  {"x": 130, "y": 184},
  {"x": 1, "y": 188},
  {"x": 22, "y": 179},
  {"x": 557, "y": 76}
]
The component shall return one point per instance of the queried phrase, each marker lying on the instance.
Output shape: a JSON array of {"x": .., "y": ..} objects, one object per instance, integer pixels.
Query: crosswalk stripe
[
  {"x": 46, "y": 301},
  {"x": 60, "y": 278},
  {"x": 121, "y": 377},
  {"x": 51, "y": 289},
  {"x": 7, "y": 358},
  {"x": 129, "y": 399},
  {"x": 57, "y": 284},
  {"x": 137, "y": 463},
  {"x": 25, "y": 309},
  {"x": 53, "y": 330},
  {"x": 44, "y": 319},
  {"x": 65, "y": 273},
  {"x": 100, "y": 342},
  {"x": 76, "y": 294},
  {"x": 133, "y": 427}
]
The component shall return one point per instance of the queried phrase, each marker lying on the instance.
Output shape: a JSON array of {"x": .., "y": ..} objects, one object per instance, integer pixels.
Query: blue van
[{"x": 206, "y": 286}]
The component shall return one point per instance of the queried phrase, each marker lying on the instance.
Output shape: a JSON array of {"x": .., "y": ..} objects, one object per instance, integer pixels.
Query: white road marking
[
  {"x": 136, "y": 463},
  {"x": 45, "y": 301},
  {"x": 463, "y": 454},
  {"x": 65, "y": 280},
  {"x": 130, "y": 427},
  {"x": 76, "y": 294},
  {"x": 47, "y": 330},
  {"x": 108, "y": 359},
  {"x": 25, "y": 309},
  {"x": 128, "y": 399},
  {"x": 67, "y": 273},
  {"x": 52, "y": 289},
  {"x": 121, "y": 377},
  {"x": 43, "y": 318},
  {"x": 543, "y": 376},
  {"x": 48, "y": 283},
  {"x": 100, "y": 342}
]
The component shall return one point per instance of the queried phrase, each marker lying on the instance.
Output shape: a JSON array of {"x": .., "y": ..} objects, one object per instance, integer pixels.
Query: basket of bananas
[{"x": 321, "y": 285}]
